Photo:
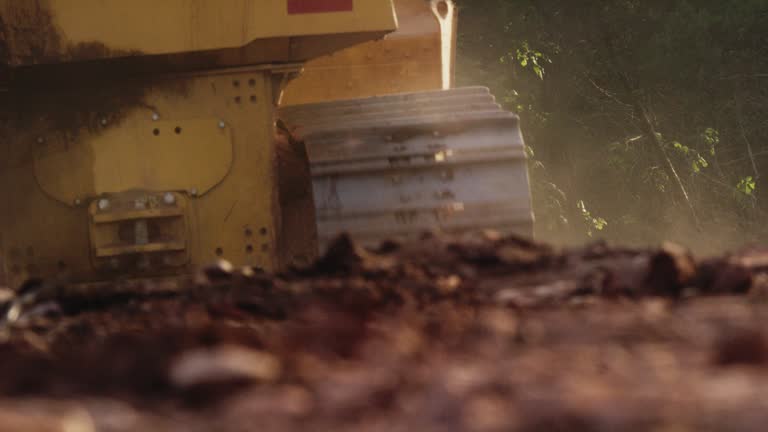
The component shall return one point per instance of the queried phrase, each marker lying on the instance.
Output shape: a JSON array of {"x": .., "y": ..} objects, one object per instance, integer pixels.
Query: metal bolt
[
  {"x": 103, "y": 122},
  {"x": 40, "y": 140},
  {"x": 103, "y": 204},
  {"x": 155, "y": 116},
  {"x": 169, "y": 198},
  {"x": 222, "y": 125},
  {"x": 78, "y": 202}
]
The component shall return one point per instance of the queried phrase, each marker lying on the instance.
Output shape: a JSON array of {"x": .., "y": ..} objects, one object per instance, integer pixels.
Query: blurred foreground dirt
[{"x": 478, "y": 333}]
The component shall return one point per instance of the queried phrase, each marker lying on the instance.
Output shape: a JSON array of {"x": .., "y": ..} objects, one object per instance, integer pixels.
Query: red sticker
[{"x": 319, "y": 6}]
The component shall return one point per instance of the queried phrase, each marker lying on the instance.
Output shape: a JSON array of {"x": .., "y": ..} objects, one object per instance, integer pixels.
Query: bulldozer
[{"x": 144, "y": 139}]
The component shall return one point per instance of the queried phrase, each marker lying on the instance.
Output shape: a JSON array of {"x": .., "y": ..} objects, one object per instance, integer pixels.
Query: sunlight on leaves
[
  {"x": 593, "y": 223},
  {"x": 747, "y": 186}
]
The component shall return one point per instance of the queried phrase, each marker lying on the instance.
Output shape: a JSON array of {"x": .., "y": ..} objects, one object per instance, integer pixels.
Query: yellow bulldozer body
[
  {"x": 419, "y": 56},
  {"x": 232, "y": 32},
  {"x": 137, "y": 138},
  {"x": 141, "y": 139}
]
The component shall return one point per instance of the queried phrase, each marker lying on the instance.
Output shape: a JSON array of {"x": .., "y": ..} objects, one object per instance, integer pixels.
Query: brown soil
[{"x": 479, "y": 333}]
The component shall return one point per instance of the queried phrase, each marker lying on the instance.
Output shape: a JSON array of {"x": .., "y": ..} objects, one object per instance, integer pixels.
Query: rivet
[
  {"x": 78, "y": 202},
  {"x": 103, "y": 122},
  {"x": 155, "y": 116},
  {"x": 222, "y": 125},
  {"x": 40, "y": 140},
  {"x": 193, "y": 192},
  {"x": 103, "y": 204},
  {"x": 169, "y": 198}
]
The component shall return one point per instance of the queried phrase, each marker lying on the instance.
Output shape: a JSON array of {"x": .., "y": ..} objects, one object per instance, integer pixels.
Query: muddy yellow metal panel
[
  {"x": 142, "y": 154},
  {"x": 45, "y": 31},
  {"x": 148, "y": 189},
  {"x": 132, "y": 167},
  {"x": 417, "y": 57}
]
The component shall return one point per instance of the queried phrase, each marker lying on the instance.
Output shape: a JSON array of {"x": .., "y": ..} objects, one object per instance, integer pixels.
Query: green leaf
[
  {"x": 747, "y": 185},
  {"x": 593, "y": 223}
]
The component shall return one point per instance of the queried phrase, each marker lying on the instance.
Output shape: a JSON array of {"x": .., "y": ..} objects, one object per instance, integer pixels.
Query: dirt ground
[{"x": 478, "y": 333}]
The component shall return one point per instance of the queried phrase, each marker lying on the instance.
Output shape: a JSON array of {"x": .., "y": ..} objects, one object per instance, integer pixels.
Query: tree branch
[
  {"x": 749, "y": 149},
  {"x": 646, "y": 124}
]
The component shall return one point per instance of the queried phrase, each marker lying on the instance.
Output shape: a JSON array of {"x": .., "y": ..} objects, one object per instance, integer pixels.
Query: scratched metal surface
[{"x": 399, "y": 165}]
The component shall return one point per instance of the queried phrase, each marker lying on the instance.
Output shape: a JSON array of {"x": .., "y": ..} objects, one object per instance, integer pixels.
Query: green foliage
[
  {"x": 711, "y": 139},
  {"x": 591, "y": 79},
  {"x": 697, "y": 161},
  {"x": 592, "y": 223},
  {"x": 745, "y": 193},
  {"x": 534, "y": 59},
  {"x": 747, "y": 186}
]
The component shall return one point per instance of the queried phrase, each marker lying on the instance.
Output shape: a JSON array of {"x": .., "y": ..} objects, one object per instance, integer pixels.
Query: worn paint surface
[
  {"x": 84, "y": 95},
  {"x": 238, "y": 218},
  {"x": 396, "y": 166},
  {"x": 50, "y": 31}
]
